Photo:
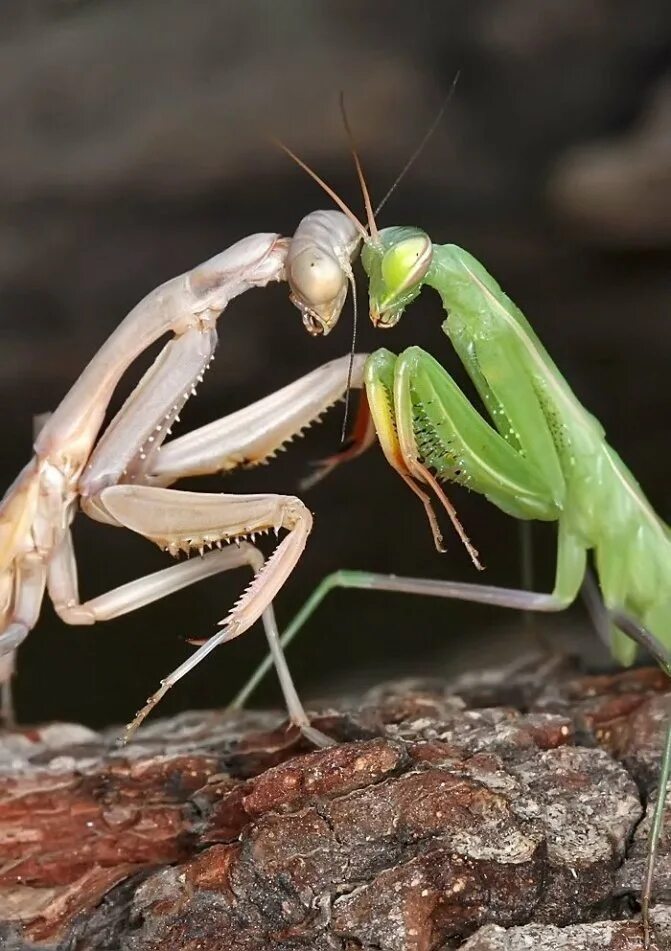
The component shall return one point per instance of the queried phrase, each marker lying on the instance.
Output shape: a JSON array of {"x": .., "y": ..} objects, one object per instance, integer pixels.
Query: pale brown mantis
[{"x": 122, "y": 476}]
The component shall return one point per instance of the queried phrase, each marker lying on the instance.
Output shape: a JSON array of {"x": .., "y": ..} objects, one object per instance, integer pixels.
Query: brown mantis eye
[{"x": 316, "y": 278}]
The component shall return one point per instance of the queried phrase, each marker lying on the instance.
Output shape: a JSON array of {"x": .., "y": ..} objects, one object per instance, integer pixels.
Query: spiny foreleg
[{"x": 186, "y": 521}]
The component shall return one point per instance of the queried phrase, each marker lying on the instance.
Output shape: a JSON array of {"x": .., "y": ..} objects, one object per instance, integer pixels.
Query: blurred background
[{"x": 136, "y": 144}]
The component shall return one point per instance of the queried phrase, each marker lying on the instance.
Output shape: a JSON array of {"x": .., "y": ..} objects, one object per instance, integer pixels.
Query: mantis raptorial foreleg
[
  {"x": 136, "y": 434},
  {"x": 183, "y": 521},
  {"x": 252, "y": 435},
  {"x": 193, "y": 300}
]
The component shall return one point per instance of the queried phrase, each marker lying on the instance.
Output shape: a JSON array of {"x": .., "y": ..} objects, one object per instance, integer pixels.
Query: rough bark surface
[{"x": 501, "y": 813}]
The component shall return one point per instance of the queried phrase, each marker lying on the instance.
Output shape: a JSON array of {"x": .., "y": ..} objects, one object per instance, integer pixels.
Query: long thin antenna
[
  {"x": 375, "y": 237},
  {"x": 364, "y": 233},
  {"x": 343, "y": 433},
  {"x": 327, "y": 188},
  {"x": 420, "y": 148},
  {"x": 372, "y": 227}
]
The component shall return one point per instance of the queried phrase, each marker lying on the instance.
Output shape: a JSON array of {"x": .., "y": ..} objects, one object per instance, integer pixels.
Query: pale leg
[
  {"x": 254, "y": 434},
  {"x": 130, "y": 452},
  {"x": 191, "y": 301},
  {"x": 143, "y": 591},
  {"x": 29, "y": 584}
]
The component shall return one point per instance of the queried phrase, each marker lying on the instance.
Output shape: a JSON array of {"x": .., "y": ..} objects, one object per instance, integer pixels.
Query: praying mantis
[
  {"x": 545, "y": 457},
  {"x": 120, "y": 475},
  {"x": 542, "y": 457}
]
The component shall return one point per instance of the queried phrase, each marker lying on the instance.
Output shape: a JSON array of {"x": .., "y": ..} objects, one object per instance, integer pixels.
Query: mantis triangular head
[
  {"x": 396, "y": 260},
  {"x": 396, "y": 269}
]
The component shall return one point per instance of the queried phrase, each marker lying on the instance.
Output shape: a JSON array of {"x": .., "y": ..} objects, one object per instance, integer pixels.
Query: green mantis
[
  {"x": 541, "y": 456},
  {"x": 544, "y": 456}
]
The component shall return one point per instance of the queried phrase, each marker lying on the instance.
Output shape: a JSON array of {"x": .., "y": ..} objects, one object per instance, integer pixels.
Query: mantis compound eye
[
  {"x": 406, "y": 264},
  {"x": 316, "y": 277},
  {"x": 318, "y": 288}
]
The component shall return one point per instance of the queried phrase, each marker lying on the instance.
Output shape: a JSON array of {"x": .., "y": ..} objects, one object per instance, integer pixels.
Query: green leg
[
  {"x": 570, "y": 568},
  {"x": 569, "y": 563},
  {"x": 339, "y": 579},
  {"x": 653, "y": 838},
  {"x": 645, "y": 639}
]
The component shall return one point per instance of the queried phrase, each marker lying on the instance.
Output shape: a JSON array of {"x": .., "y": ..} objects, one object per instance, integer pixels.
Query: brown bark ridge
[{"x": 506, "y": 811}]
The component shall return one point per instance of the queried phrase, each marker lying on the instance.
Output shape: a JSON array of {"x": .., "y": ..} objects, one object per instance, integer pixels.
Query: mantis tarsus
[{"x": 543, "y": 455}]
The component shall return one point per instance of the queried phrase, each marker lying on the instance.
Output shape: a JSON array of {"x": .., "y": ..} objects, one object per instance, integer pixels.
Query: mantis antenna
[
  {"x": 348, "y": 389},
  {"x": 364, "y": 234},
  {"x": 346, "y": 210},
  {"x": 420, "y": 148},
  {"x": 375, "y": 237},
  {"x": 370, "y": 215}
]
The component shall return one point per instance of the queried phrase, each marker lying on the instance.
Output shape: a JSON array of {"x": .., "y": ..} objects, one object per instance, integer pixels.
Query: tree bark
[{"x": 506, "y": 811}]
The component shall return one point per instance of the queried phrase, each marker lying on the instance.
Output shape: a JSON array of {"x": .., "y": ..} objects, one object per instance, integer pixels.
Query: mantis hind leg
[
  {"x": 653, "y": 838},
  {"x": 641, "y": 636},
  {"x": 569, "y": 574}
]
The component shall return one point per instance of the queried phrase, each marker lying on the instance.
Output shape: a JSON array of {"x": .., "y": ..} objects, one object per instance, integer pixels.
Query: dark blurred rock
[{"x": 619, "y": 190}]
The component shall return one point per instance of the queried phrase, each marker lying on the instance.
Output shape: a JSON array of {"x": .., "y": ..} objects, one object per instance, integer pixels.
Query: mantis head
[
  {"x": 396, "y": 264},
  {"x": 396, "y": 260},
  {"x": 318, "y": 286}
]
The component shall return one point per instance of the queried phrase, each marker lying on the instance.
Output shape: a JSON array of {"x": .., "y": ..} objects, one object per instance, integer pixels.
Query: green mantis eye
[{"x": 406, "y": 263}]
